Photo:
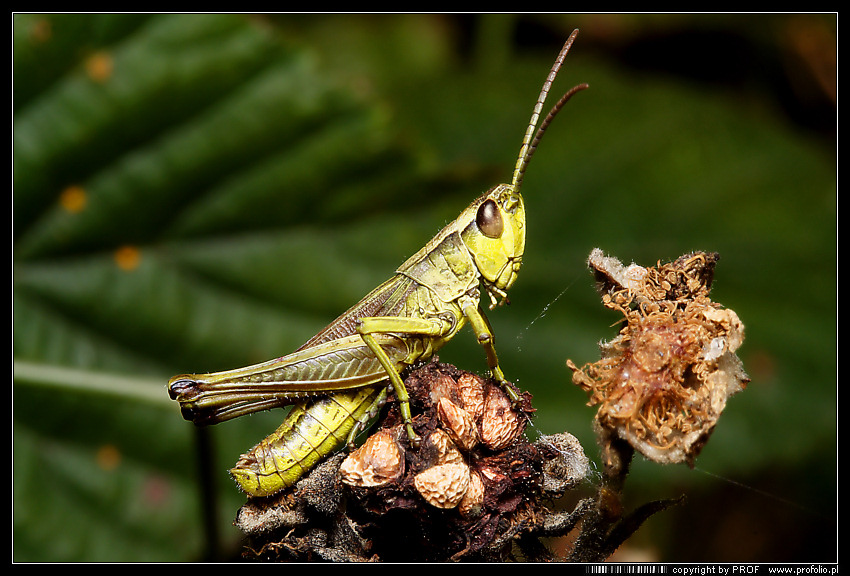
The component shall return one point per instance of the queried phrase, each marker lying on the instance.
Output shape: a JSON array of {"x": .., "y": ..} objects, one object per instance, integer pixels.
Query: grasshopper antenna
[{"x": 532, "y": 138}]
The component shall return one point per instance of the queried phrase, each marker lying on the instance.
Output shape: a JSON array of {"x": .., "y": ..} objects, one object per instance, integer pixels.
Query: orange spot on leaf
[
  {"x": 73, "y": 199},
  {"x": 99, "y": 66},
  {"x": 128, "y": 257},
  {"x": 108, "y": 457},
  {"x": 41, "y": 31}
]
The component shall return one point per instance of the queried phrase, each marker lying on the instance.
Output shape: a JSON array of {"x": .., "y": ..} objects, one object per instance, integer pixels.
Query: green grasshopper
[{"x": 337, "y": 380}]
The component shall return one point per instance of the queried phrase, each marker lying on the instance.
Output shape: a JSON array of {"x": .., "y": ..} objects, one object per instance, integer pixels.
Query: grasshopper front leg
[{"x": 484, "y": 334}]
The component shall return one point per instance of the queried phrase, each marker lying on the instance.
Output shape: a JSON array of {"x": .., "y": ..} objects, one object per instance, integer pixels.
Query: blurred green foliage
[{"x": 201, "y": 192}]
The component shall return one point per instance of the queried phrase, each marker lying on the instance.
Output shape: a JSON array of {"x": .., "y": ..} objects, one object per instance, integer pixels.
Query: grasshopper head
[
  {"x": 495, "y": 237},
  {"x": 495, "y": 234}
]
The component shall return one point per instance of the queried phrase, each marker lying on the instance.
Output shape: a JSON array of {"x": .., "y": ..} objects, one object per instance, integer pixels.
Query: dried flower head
[
  {"x": 663, "y": 382},
  {"x": 472, "y": 461}
]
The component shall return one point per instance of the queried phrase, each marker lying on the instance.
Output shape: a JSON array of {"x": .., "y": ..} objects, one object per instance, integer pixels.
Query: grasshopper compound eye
[{"x": 489, "y": 220}]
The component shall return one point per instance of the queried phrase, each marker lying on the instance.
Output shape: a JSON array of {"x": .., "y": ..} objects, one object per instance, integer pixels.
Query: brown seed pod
[
  {"x": 458, "y": 423},
  {"x": 377, "y": 462},
  {"x": 444, "y": 449},
  {"x": 471, "y": 392},
  {"x": 441, "y": 386},
  {"x": 472, "y": 503},
  {"x": 444, "y": 485},
  {"x": 500, "y": 425}
]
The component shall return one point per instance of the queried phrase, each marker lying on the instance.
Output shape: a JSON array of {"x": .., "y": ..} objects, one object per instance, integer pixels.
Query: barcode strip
[{"x": 627, "y": 569}]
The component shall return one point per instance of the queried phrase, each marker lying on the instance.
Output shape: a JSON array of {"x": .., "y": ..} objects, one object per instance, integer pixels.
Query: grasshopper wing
[
  {"x": 333, "y": 366},
  {"x": 335, "y": 359}
]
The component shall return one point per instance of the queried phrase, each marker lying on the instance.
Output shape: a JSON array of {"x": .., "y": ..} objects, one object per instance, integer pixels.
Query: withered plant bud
[
  {"x": 500, "y": 425},
  {"x": 377, "y": 462},
  {"x": 472, "y": 503},
  {"x": 565, "y": 464},
  {"x": 663, "y": 382},
  {"x": 471, "y": 391},
  {"x": 444, "y": 485},
  {"x": 458, "y": 423}
]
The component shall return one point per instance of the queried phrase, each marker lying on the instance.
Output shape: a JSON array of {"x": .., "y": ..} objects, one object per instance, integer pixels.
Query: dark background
[{"x": 202, "y": 192}]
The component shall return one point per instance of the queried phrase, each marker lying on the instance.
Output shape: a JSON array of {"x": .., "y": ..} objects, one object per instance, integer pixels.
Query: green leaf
[{"x": 206, "y": 135}]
